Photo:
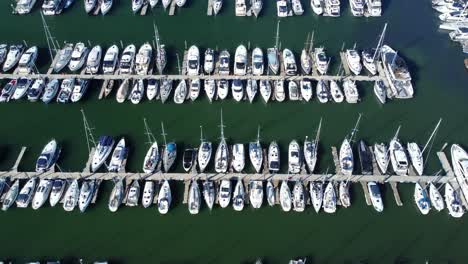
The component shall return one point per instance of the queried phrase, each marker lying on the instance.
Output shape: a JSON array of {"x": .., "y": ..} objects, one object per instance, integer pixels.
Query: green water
[{"x": 136, "y": 235}]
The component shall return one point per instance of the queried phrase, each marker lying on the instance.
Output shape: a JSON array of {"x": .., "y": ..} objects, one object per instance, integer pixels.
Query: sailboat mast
[
  {"x": 317, "y": 136},
  {"x": 258, "y": 134},
  {"x": 148, "y": 132},
  {"x": 201, "y": 134},
  {"x": 156, "y": 36},
  {"x": 311, "y": 42},
  {"x": 432, "y": 135},
  {"x": 379, "y": 44},
  {"x": 88, "y": 131},
  {"x": 46, "y": 31},
  {"x": 163, "y": 134},
  {"x": 277, "y": 35},
  {"x": 355, "y": 128},
  {"x": 222, "y": 126},
  {"x": 397, "y": 132}
]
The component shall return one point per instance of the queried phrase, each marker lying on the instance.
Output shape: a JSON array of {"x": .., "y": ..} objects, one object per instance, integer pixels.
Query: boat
[
  {"x": 210, "y": 88},
  {"x": 294, "y": 92},
  {"x": 152, "y": 89},
  {"x": 138, "y": 91},
  {"x": 321, "y": 60},
  {"x": 306, "y": 63},
  {"x": 110, "y": 60},
  {"x": 455, "y": 16},
  {"x": 354, "y": 61},
  {"x": 103, "y": 150},
  {"x": 127, "y": 60},
  {"x": 12, "y": 57},
  {"x": 52, "y": 7},
  {"x": 109, "y": 85},
  {"x": 224, "y": 58},
  {"x": 316, "y": 195},
  {"x": 194, "y": 90},
  {"x": 50, "y": 91},
  {"x": 209, "y": 193},
  {"x": 8, "y": 91},
  {"x": 317, "y": 6},
  {"x": 78, "y": 57},
  {"x": 381, "y": 157},
  {"x": 169, "y": 155},
  {"x": 238, "y": 157},
  {"x": 86, "y": 194},
  {"x": 208, "y": 64},
  {"x": 350, "y": 91},
  {"x": 117, "y": 195},
  {"x": 251, "y": 89},
  {"x": 148, "y": 194},
  {"x": 270, "y": 193},
  {"x": 460, "y": 167},
  {"x": 24, "y": 7},
  {"x": 137, "y": 5},
  {"x": 256, "y": 194},
  {"x": 297, "y": 7},
  {"x": 94, "y": 60},
  {"x": 35, "y": 92},
  {"x": 27, "y": 61},
  {"x": 3, "y": 52},
  {"x": 376, "y": 197},
  {"x": 237, "y": 88},
  {"x": 398, "y": 158},
  {"x": 257, "y": 59},
  {"x": 71, "y": 196},
  {"x": 194, "y": 198},
  {"x": 265, "y": 90},
  {"x": 345, "y": 198},
  {"x": 204, "y": 152},
  {"x": 452, "y": 199},
  {"x": 336, "y": 93},
  {"x": 294, "y": 157},
  {"x": 322, "y": 91},
  {"x": 49, "y": 155},
  {"x": 181, "y": 3},
  {"x": 357, "y": 7},
  {"x": 64, "y": 57},
  {"x": 421, "y": 199},
  {"x": 256, "y": 153},
  {"x": 224, "y": 195},
  {"x": 222, "y": 153},
  {"x": 151, "y": 158},
  {"x": 368, "y": 60},
  {"x": 289, "y": 62},
  {"x": 217, "y": 4},
  {"x": 436, "y": 198},
  {"x": 238, "y": 196},
  {"x": 41, "y": 194},
  {"x": 68, "y": 3},
  {"x": 164, "y": 198},
  {"x": 143, "y": 59},
  {"x": 106, "y": 6},
  {"x": 58, "y": 189},
  {"x": 193, "y": 61},
  {"x": 165, "y": 89},
  {"x": 416, "y": 157},
  {"x": 240, "y": 60},
  {"x": 346, "y": 158},
  {"x": 272, "y": 54},
  {"x": 122, "y": 92},
  {"x": 460, "y": 34},
  {"x": 282, "y": 8},
  {"x": 306, "y": 89},
  {"x": 10, "y": 196},
  {"x": 310, "y": 153},
  {"x": 188, "y": 159},
  {"x": 89, "y": 5},
  {"x": 241, "y": 8},
  {"x": 374, "y": 7},
  {"x": 81, "y": 86},
  {"x": 285, "y": 197},
  {"x": 298, "y": 197},
  {"x": 133, "y": 195},
  {"x": 223, "y": 89},
  {"x": 180, "y": 92},
  {"x": 332, "y": 8},
  {"x": 166, "y": 3},
  {"x": 273, "y": 157},
  {"x": 365, "y": 158},
  {"x": 380, "y": 91},
  {"x": 119, "y": 157},
  {"x": 397, "y": 73},
  {"x": 280, "y": 94},
  {"x": 161, "y": 59}
]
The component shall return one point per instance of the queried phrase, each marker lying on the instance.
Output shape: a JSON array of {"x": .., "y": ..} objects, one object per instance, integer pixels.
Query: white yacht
[
  {"x": 221, "y": 157},
  {"x": 306, "y": 62},
  {"x": 10, "y": 196},
  {"x": 237, "y": 88},
  {"x": 71, "y": 196},
  {"x": 350, "y": 91},
  {"x": 273, "y": 157},
  {"x": 285, "y": 197},
  {"x": 368, "y": 61},
  {"x": 127, "y": 60},
  {"x": 26, "y": 193},
  {"x": 12, "y": 57},
  {"x": 42, "y": 193},
  {"x": 460, "y": 167},
  {"x": 58, "y": 189},
  {"x": 64, "y": 57},
  {"x": 251, "y": 89},
  {"x": 50, "y": 91},
  {"x": 210, "y": 89},
  {"x": 256, "y": 194},
  {"x": 397, "y": 73},
  {"x": 34, "y": 93},
  {"x": 165, "y": 89},
  {"x": 137, "y": 92},
  {"x": 374, "y": 7},
  {"x": 152, "y": 89},
  {"x": 24, "y": 7},
  {"x": 106, "y": 6},
  {"x": 381, "y": 157},
  {"x": 209, "y": 193},
  {"x": 181, "y": 92},
  {"x": 322, "y": 91},
  {"x": 282, "y": 9},
  {"x": 224, "y": 195},
  {"x": 357, "y": 7},
  {"x": 294, "y": 157},
  {"x": 194, "y": 90},
  {"x": 289, "y": 62},
  {"x": 89, "y": 5},
  {"x": 240, "y": 60},
  {"x": 8, "y": 91},
  {"x": 133, "y": 196},
  {"x": 110, "y": 60},
  {"x": 380, "y": 91},
  {"x": 316, "y": 194},
  {"x": 293, "y": 90},
  {"x": 421, "y": 199},
  {"x": 436, "y": 198},
  {"x": 217, "y": 4},
  {"x": 257, "y": 7},
  {"x": 78, "y": 57},
  {"x": 164, "y": 198},
  {"x": 416, "y": 157},
  {"x": 80, "y": 88},
  {"x": 238, "y": 196},
  {"x": 224, "y": 63},
  {"x": 52, "y": 7},
  {"x": 94, "y": 60},
  {"x": 332, "y": 8},
  {"x": 335, "y": 92},
  {"x": 345, "y": 198},
  {"x": 298, "y": 197},
  {"x": 354, "y": 61},
  {"x": 241, "y": 8},
  {"x": 265, "y": 90},
  {"x": 122, "y": 92},
  {"x": 310, "y": 153},
  {"x": 194, "y": 198},
  {"x": 280, "y": 94},
  {"x": 398, "y": 158},
  {"x": 297, "y": 7},
  {"x": 346, "y": 158},
  {"x": 376, "y": 197},
  {"x": 193, "y": 61},
  {"x": 452, "y": 199},
  {"x": 116, "y": 197},
  {"x": 143, "y": 59},
  {"x": 204, "y": 154},
  {"x": 460, "y": 34},
  {"x": 306, "y": 89},
  {"x": 317, "y": 6},
  {"x": 27, "y": 61},
  {"x": 88, "y": 188},
  {"x": 22, "y": 86},
  {"x": 257, "y": 61},
  {"x": 151, "y": 158},
  {"x": 148, "y": 194},
  {"x": 103, "y": 150},
  {"x": 270, "y": 193},
  {"x": 208, "y": 64},
  {"x": 119, "y": 156},
  {"x": 137, "y": 5},
  {"x": 238, "y": 157},
  {"x": 222, "y": 89},
  {"x": 181, "y": 3},
  {"x": 49, "y": 155},
  {"x": 256, "y": 154}
]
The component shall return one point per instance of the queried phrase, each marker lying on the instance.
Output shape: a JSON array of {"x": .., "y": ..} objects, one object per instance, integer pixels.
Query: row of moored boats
[{"x": 454, "y": 18}]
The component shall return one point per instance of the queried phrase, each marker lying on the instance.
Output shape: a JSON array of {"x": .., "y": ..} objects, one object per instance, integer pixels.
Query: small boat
[
  {"x": 436, "y": 198},
  {"x": 285, "y": 197},
  {"x": 35, "y": 92},
  {"x": 153, "y": 3},
  {"x": 282, "y": 9},
  {"x": 222, "y": 152},
  {"x": 306, "y": 63},
  {"x": 8, "y": 91},
  {"x": 169, "y": 155},
  {"x": 273, "y": 157},
  {"x": 310, "y": 153},
  {"x": 346, "y": 158},
  {"x": 117, "y": 195},
  {"x": 89, "y": 5},
  {"x": 137, "y": 5},
  {"x": 151, "y": 158},
  {"x": 210, "y": 89},
  {"x": 127, "y": 60},
  {"x": 209, "y": 193},
  {"x": 152, "y": 89},
  {"x": 86, "y": 194},
  {"x": 376, "y": 197},
  {"x": 111, "y": 59},
  {"x": 357, "y": 7},
  {"x": 122, "y": 92},
  {"x": 270, "y": 193},
  {"x": 3, "y": 52},
  {"x": 58, "y": 189},
  {"x": 365, "y": 158},
  {"x": 251, "y": 89},
  {"x": 165, "y": 89},
  {"x": 194, "y": 198},
  {"x": 26, "y": 193},
  {"x": 289, "y": 62},
  {"x": 27, "y": 61},
  {"x": 11, "y": 195},
  {"x": 24, "y": 7},
  {"x": 94, "y": 60},
  {"x": 223, "y": 89},
  {"x": 12, "y": 57},
  {"x": 194, "y": 90},
  {"x": 421, "y": 199},
  {"x": 336, "y": 93},
  {"x": 78, "y": 57},
  {"x": 106, "y": 6},
  {"x": 103, "y": 150},
  {"x": 208, "y": 64},
  {"x": 398, "y": 158},
  {"x": 71, "y": 196},
  {"x": 49, "y": 155},
  {"x": 297, "y": 7},
  {"x": 241, "y": 8},
  {"x": 133, "y": 195},
  {"x": 317, "y": 6},
  {"x": 298, "y": 197},
  {"x": 50, "y": 91},
  {"x": 452, "y": 199},
  {"x": 193, "y": 60},
  {"x": 316, "y": 195},
  {"x": 22, "y": 86},
  {"x": 280, "y": 94},
  {"x": 294, "y": 92},
  {"x": 188, "y": 158},
  {"x": 148, "y": 194},
  {"x": 217, "y": 4},
  {"x": 237, "y": 87},
  {"x": 238, "y": 196},
  {"x": 381, "y": 157},
  {"x": 164, "y": 198},
  {"x": 81, "y": 86},
  {"x": 238, "y": 157},
  {"x": 294, "y": 157},
  {"x": 138, "y": 91},
  {"x": 224, "y": 67},
  {"x": 181, "y": 92},
  {"x": 42, "y": 193},
  {"x": 166, "y": 3},
  {"x": 368, "y": 61},
  {"x": 380, "y": 91},
  {"x": 322, "y": 91},
  {"x": 345, "y": 198},
  {"x": 119, "y": 156},
  {"x": 143, "y": 59},
  {"x": 256, "y": 153},
  {"x": 416, "y": 157},
  {"x": 265, "y": 90},
  {"x": 181, "y": 3},
  {"x": 354, "y": 61},
  {"x": 240, "y": 60},
  {"x": 306, "y": 89},
  {"x": 64, "y": 58},
  {"x": 257, "y": 58},
  {"x": 224, "y": 193},
  {"x": 350, "y": 91},
  {"x": 204, "y": 154},
  {"x": 109, "y": 85},
  {"x": 256, "y": 194}
]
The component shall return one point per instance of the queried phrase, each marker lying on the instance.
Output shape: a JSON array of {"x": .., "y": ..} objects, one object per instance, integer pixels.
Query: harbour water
[{"x": 136, "y": 235}]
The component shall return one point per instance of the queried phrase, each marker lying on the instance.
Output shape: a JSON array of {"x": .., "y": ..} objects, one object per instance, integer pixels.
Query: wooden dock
[
  {"x": 366, "y": 193},
  {"x": 396, "y": 194},
  {"x": 336, "y": 160},
  {"x": 186, "y": 191},
  {"x": 344, "y": 62},
  {"x": 18, "y": 159}
]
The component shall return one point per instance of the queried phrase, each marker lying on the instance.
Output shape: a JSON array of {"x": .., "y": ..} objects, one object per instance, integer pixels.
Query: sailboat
[
  {"x": 381, "y": 156},
  {"x": 421, "y": 199},
  {"x": 416, "y": 157},
  {"x": 255, "y": 153},
  {"x": 311, "y": 150},
  {"x": 256, "y": 194},
  {"x": 452, "y": 199},
  {"x": 204, "y": 152},
  {"x": 152, "y": 155},
  {"x": 265, "y": 90},
  {"x": 224, "y": 195},
  {"x": 346, "y": 152},
  {"x": 238, "y": 157},
  {"x": 148, "y": 194},
  {"x": 369, "y": 57},
  {"x": 298, "y": 197},
  {"x": 209, "y": 193},
  {"x": 329, "y": 199},
  {"x": 116, "y": 197},
  {"x": 345, "y": 198},
  {"x": 194, "y": 200},
  {"x": 238, "y": 196},
  {"x": 436, "y": 198},
  {"x": 170, "y": 152},
  {"x": 272, "y": 54},
  {"x": 161, "y": 59},
  {"x": 164, "y": 198},
  {"x": 316, "y": 194},
  {"x": 71, "y": 196},
  {"x": 133, "y": 195},
  {"x": 222, "y": 153},
  {"x": 285, "y": 196},
  {"x": 270, "y": 194},
  {"x": 10, "y": 196}
]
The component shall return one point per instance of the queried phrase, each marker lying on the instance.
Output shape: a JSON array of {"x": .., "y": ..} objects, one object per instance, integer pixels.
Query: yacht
[
  {"x": 204, "y": 154},
  {"x": 251, "y": 89},
  {"x": 116, "y": 197},
  {"x": 161, "y": 59},
  {"x": 294, "y": 157},
  {"x": 461, "y": 34},
  {"x": 10, "y": 196},
  {"x": 221, "y": 157},
  {"x": 335, "y": 92},
  {"x": 103, "y": 150},
  {"x": 223, "y": 89},
  {"x": 138, "y": 91},
  {"x": 270, "y": 193},
  {"x": 273, "y": 60},
  {"x": 224, "y": 58},
  {"x": 350, "y": 91},
  {"x": 42, "y": 193},
  {"x": 257, "y": 7},
  {"x": 64, "y": 57},
  {"x": 224, "y": 195},
  {"x": 137, "y": 5},
  {"x": 27, "y": 61},
  {"x": 416, "y": 157},
  {"x": 306, "y": 89},
  {"x": 265, "y": 90},
  {"x": 298, "y": 197},
  {"x": 282, "y": 8},
  {"x": 108, "y": 86},
  {"x": 346, "y": 158},
  {"x": 421, "y": 199},
  {"x": 194, "y": 90},
  {"x": 365, "y": 158},
  {"x": 354, "y": 61},
  {"x": 273, "y": 157},
  {"x": 119, "y": 157},
  {"x": 209, "y": 193},
  {"x": 193, "y": 61},
  {"x": 368, "y": 61},
  {"x": 71, "y": 196},
  {"x": 376, "y": 197},
  {"x": 256, "y": 194},
  {"x": 78, "y": 57},
  {"x": 106, "y": 6},
  {"x": 133, "y": 195},
  {"x": 316, "y": 194},
  {"x": 297, "y": 7},
  {"x": 380, "y": 91},
  {"x": 217, "y": 4},
  {"x": 188, "y": 158},
  {"x": 306, "y": 63},
  {"x": 285, "y": 196},
  {"x": 194, "y": 198},
  {"x": 143, "y": 59},
  {"x": 398, "y": 158},
  {"x": 240, "y": 60},
  {"x": 238, "y": 157},
  {"x": 257, "y": 60},
  {"x": 52, "y": 7},
  {"x": 89, "y": 5},
  {"x": 81, "y": 86},
  {"x": 460, "y": 167},
  {"x": 166, "y": 88},
  {"x": 374, "y": 7},
  {"x": 148, "y": 194},
  {"x": 181, "y": 3},
  {"x": 180, "y": 92},
  {"x": 238, "y": 196},
  {"x": 317, "y": 6},
  {"x": 381, "y": 157},
  {"x": 357, "y": 7},
  {"x": 310, "y": 154},
  {"x": 436, "y": 198},
  {"x": 48, "y": 157},
  {"x": 8, "y": 91},
  {"x": 256, "y": 155},
  {"x": 122, "y": 92},
  {"x": 58, "y": 189},
  {"x": 332, "y": 8},
  {"x": 169, "y": 155},
  {"x": 127, "y": 60},
  {"x": 241, "y": 8},
  {"x": 455, "y": 16},
  {"x": 237, "y": 90},
  {"x": 24, "y": 7},
  {"x": 86, "y": 194},
  {"x": 151, "y": 158},
  {"x": 164, "y": 198},
  {"x": 35, "y": 92},
  {"x": 22, "y": 86},
  {"x": 208, "y": 64},
  {"x": 321, "y": 60},
  {"x": 152, "y": 89},
  {"x": 397, "y": 73},
  {"x": 12, "y": 57},
  {"x": 110, "y": 60},
  {"x": 50, "y": 91},
  {"x": 289, "y": 62},
  {"x": 322, "y": 91},
  {"x": 452, "y": 199},
  {"x": 294, "y": 92},
  {"x": 3, "y": 52},
  {"x": 280, "y": 94},
  {"x": 345, "y": 198},
  {"x": 94, "y": 60}
]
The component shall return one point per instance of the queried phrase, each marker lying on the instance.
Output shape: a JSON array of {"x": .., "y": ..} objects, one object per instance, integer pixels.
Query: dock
[
  {"x": 345, "y": 63},
  {"x": 186, "y": 192},
  {"x": 396, "y": 194},
  {"x": 172, "y": 7},
  {"x": 18, "y": 160},
  {"x": 366, "y": 193},
  {"x": 336, "y": 160}
]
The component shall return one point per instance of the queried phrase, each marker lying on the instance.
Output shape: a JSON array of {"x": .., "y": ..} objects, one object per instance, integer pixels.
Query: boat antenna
[
  {"x": 49, "y": 38},
  {"x": 317, "y": 137},
  {"x": 88, "y": 131},
  {"x": 148, "y": 133},
  {"x": 201, "y": 134},
  {"x": 163, "y": 134},
  {"x": 380, "y": 43},
  {"x": 222, "y": 126},
  {"x": 353, "y": 132}
]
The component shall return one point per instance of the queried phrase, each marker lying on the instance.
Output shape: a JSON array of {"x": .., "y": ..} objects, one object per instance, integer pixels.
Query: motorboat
[
  {"x": 194, "y": 90},
  {"x": 241, "y": 8},
  {"x": 209, "y": 86},
  {"x": 64, "y": 57},
  {"x": 209, "y": 193},
  {"x": 143, "y": 59},
  {"x": 89, "y": 5},
  {"x": 71, "y": 196},
  {"x": 3, "y": 52},
  {"x": 289, "y": 62},
  {"x": 50, "y": 91},
  {"x": 108, "y": 86},
  {"x": 397, "y": 73},
  {"x": 251, "y": 89},
  {"x": 26, "y": 193},
  {"x": 35, "y": 92},
  {"x": 294, "y": 157},
  {"x": 376, "y": 197},
  {"x": 106, "y": 6},
  {"x": 332, "y": 8},
  {"x": 8, "y": 91},
  {"x": 27, "y": 61},
  {"x": 181, "y": 92},
  {"x": 335, "y": 91},
  {"x": 238, "y": 196},
  {"x": 237, "y": 88},
  {"x": 265, "y": 90},
  {"x": 365, "y": 158},
  {"x": 306, "y": 63},
  {"x": 208, "y": 64},
  {"x": 238, "y": 157},
  {"x": 436, "y": 198},
  {"x": 317, "y": 6},
  {"x": 460, "y": 167},
  {"x": 164, "y": 198},
  {"x": 41, "y": 194},
  {"x": 280, "y": 94},
  {"x": 297, "y": 7},
  {"x": 165, "y": 89},
  {"x": 455, "y": 16},
  {"x": 461, "y": 34},
  {"x": 298, "y": 197},
  {"x": 310, "y": 153},
  {"x": 273, "y": 157},
  {"x": 10, "y": 196},
  {"x": 285, "y": 196},
  {"x": 257, "y": 59},
  {"x": 81, "y": 86},
  {"x": 22, "y": 86},
  {"x": 57, "y": 191},
  {"x": 110, "y": 60},
  {"x": 306, "y": 89},
  {"x": 138, "y": 91},
  {"x": 102, "y": 151},
  {"x": 316, "y": 194},
  {"x": 421, "y": 199},
  {"x": 346, "y": 158},
  {"x": 217, "y": 4},
  {"x": 224, "y": 195},
  {"x": 137, "y": 5},
  {"x": 194, "y": 198},
  {"x": 204, "y": 154},
  {"x": 122, "y": 92},
  {"x": 188, "y": 159},
  {"x": 52, "y": 7},
  {"x": 256, "y": 194},
  {"x": 270, "y": 193},
  {"x": 322, "y": 91},
  {"x": 193, "y": 61},
  {"x": 49, "y": 155},
  {"x": 148, "y": 194},
  {"x": 416, "y": 157},
  {"x": 321, "y": 60},
  {"x": 224, "y": 58},
  {"x": 294, "y": 92},
  {"x": 380, "y": 91},
  {"x": 368, "y": 60},
  {"x": 357, "y": 7},
  {"x": 12, "y": 57},
  {"x": 282, "y": 8},
  {"x": 256, "y": 154},
  {"x": 117, "y": 195},
  {"x": 127, "y": 60},
  {"x": 354, "y": 61},
  {"x": 223, "y": 89},
  {"x": 350, "y": 91},
  {"x": 152, "y": 89},
  {"x": 133, "y": 195},
  {"x": 87, "y": 190},
  {"x": 169, "y": 155},
  {"x": 24, "y": 7},
  {"x": 381, "y": 157},
  {"x": 240, "y": 60},
  {"x": 345, "y": 198},
  {"x": 78, "y": 57},
  {"x": 181, "y": 3},
  {"x": 273, "y": 60},
  {"x": 398, "y": 158},
  {"x": 94, "y": 60},
  {"x": 151, "y": 158},
  {"x": 119, "y": 156},
  {"x": 447, "y": 6},
  {"x": 374, "y": 7},
  {"x": 452, "y": 199}
]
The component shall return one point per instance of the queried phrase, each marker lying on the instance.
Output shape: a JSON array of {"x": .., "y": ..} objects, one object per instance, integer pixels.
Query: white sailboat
[
  {"x": 117, "y": 195},
  {"x": 306, "y": 89},
  {"x": 329, "y": 199},
  {"x": 209, "y": 193},
  {"x": 133, "y": 195},
  {"x": 204, "y": 152},
  {"x": 298, "y": 197},
  {"x": 238, "y": 196},
  {"x": 416, "y": 157},
  {"x": 152, "y": 155},
  {"x": 148, "y": 194},
  {"x": 421, "y": 199},
  {"x": 164, "y": 198},
  {"x": 270, "y": 194},
  {"x": 41, "y": 194},
  {"x": 381, "y": 156},
  {"x": 272, "y": 53},
  {"x": 345, "y": 198},
  {"x": 194, "y": 199},
  {"x": 436, "y": 198},
  {"x": 316, "y": 194},
  {"x": 311, "y": 150},
  {"x": 222, "y": 153},
  {"x": 265, "y": 90},
  {"x": 71, "y": 196},
  {"x": 452, "y": 199},
  {"x": 238, "y": 157},
  {"x": 256, "y": 153},
  {"x": 256, "y": 194},
  {"x": 224, "y": 194},
  {"x": 285, "y": 197}
]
